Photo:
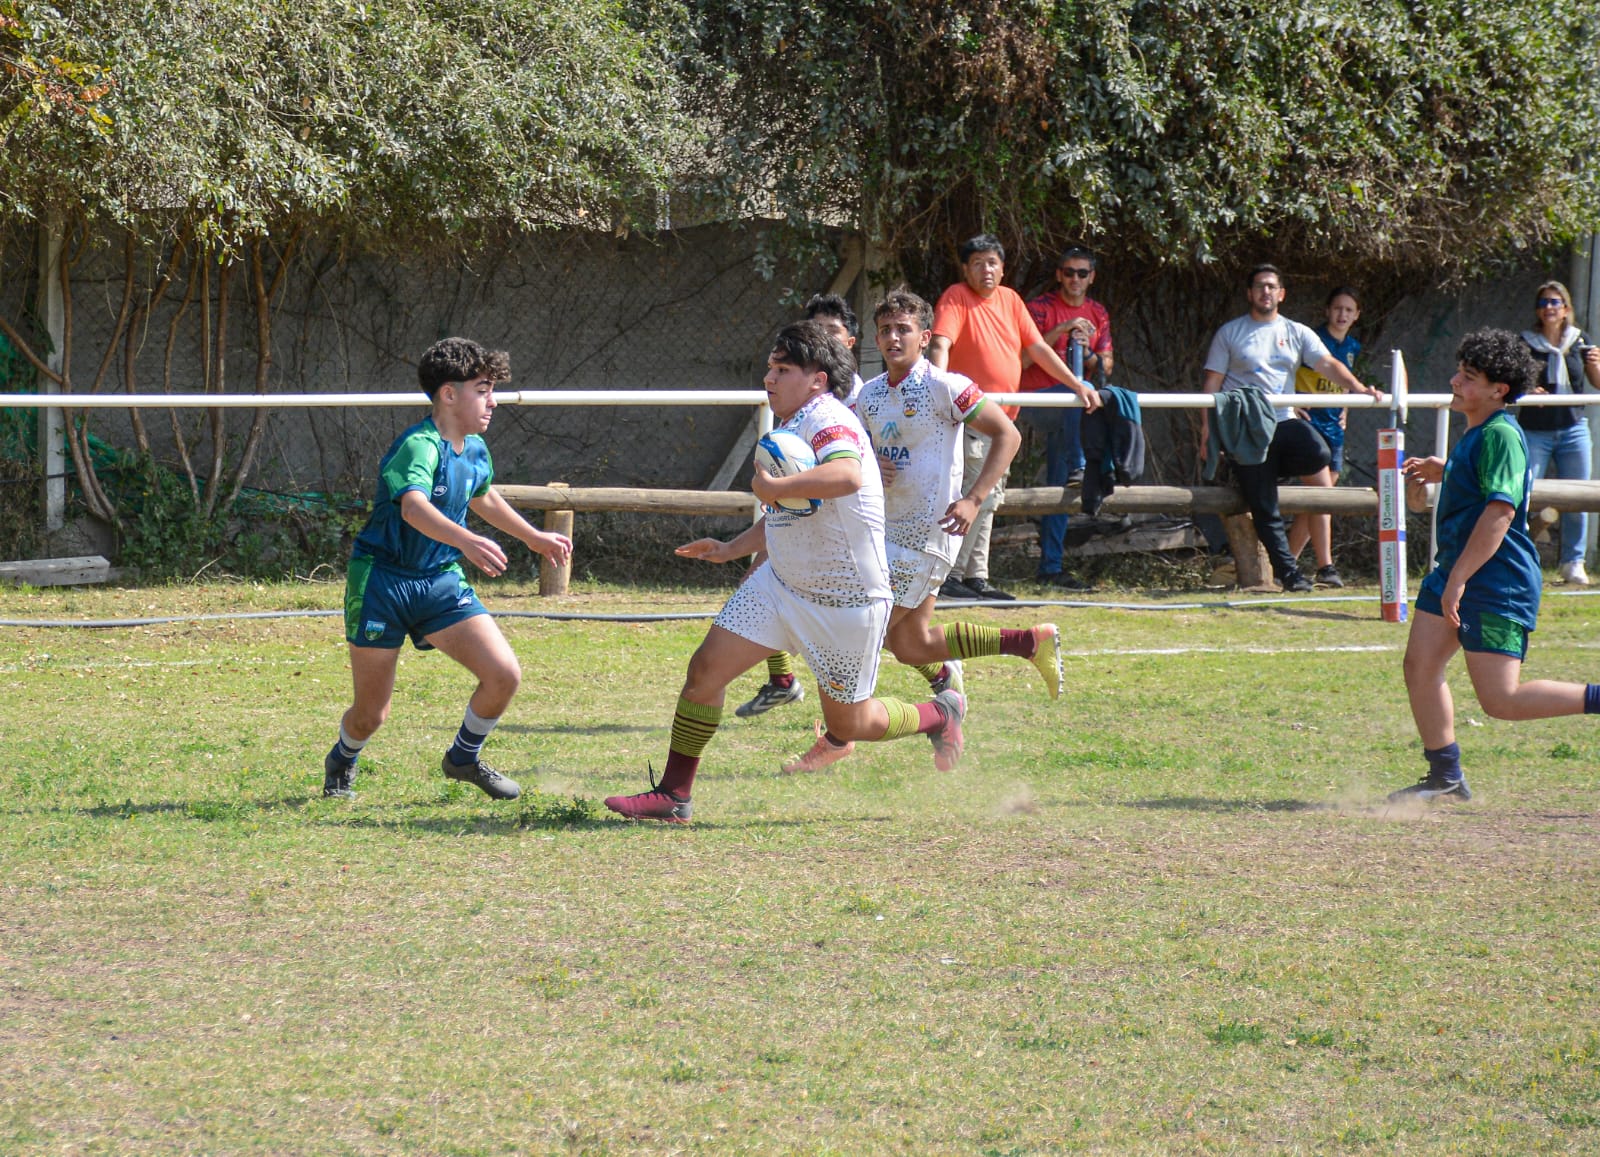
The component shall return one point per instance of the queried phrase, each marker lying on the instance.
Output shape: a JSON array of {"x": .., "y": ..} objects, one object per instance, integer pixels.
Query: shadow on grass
[
  {"x": 205, "y": 810},
  {"x": 1195, "y": 803},
  {"x": 1303, "y": 612},
  {"x": 566, "y": 729}
]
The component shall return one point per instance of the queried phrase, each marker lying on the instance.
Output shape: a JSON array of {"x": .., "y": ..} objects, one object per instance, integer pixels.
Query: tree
[
  {"x": 1413, "y": 134},
  {"x": 211, "y": 136}
]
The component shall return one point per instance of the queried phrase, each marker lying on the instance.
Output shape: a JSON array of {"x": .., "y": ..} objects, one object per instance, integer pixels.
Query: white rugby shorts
[
  {"x": 914, "y": 574},
  {"x": 841, "y": 645}
]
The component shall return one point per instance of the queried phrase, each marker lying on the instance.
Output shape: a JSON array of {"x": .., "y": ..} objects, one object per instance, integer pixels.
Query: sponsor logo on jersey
[
  {"x": 890, "y": 431},
  {"x": 374, "y": 629},
  {"x": 895, "y": 453},
  {"x": 968, "y": 398},
  {"x": 829, "y": 436},
  {"x": 440, "y": 490}
]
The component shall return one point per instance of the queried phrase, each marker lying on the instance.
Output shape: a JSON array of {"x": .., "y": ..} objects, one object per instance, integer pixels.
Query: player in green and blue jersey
[
  {"x": 1482, "y": 597},
  {"x": 405, "y": 576}
]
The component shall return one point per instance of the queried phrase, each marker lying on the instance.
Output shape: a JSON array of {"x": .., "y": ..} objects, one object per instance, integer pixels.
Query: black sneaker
[
  {"x": 954, "y": 588},
  {"x": 338, "y": 779},
  {"x": 481, "y": 775},
  {"x": 1066, "y": 580},
  {"x": 1075, "y": 478},
  {"x": 981, "y": 589},
  {"x": 1328, "y": 576},
  {"x": 1430, "y": 788},
  {"x": 771, "y": 695},
  {"x": 1298, "y": 584}
]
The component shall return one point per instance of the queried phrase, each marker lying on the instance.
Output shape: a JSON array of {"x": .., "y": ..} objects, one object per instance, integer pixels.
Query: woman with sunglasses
[{"x": 1558, "y": 436}]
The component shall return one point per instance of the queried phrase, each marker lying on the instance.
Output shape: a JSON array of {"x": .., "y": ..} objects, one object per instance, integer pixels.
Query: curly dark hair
[
  {"x": 811, "y": 347},
  {"x": 901, "y": 300},
  {"x": 456, "y": 359},
  {"x": 834, "y": 306},
  {"x": 1500, "y": 356}
]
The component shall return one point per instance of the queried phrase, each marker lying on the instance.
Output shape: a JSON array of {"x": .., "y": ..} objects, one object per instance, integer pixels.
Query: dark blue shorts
[
  {"x": 381, "y": 607},
  {"x": 1481, "y": 631}
]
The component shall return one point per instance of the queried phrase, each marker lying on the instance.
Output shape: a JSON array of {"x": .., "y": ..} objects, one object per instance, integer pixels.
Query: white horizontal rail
[
  {"x": 287, "y": 401},
  {"x": 1160, "y": 401}
]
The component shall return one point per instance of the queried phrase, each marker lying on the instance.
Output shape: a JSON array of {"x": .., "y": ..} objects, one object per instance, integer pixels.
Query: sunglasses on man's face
[
  {"x": 1551, "y": 303},
  {"x": 1071, "y": 272}
]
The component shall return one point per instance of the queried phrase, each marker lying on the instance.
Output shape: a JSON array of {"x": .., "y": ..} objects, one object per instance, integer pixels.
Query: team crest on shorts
[
  {"x": 374, "y": 629},
  {"x": 835, "y": 685},
  {"x": 465, "y": 600}
]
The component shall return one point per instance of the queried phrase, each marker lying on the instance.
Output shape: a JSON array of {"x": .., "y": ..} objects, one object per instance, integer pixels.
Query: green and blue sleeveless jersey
[
  {"x": 1490, "y": 464},
  {"x": 421, "y": 459}
]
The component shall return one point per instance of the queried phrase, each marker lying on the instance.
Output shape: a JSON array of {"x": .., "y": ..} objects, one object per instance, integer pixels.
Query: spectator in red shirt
[
  {"x": 1066, "y": 317},
  {"x": 982, "y": 329}
]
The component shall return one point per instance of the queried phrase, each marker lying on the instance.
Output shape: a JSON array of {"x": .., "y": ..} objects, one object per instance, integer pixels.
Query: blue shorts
[
  {"x": 1481, "y": 631},
  {"x": 381, "y": 606}
]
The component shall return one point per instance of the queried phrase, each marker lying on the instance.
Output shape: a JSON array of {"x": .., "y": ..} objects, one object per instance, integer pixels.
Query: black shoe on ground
[
  {"x": 1328, "y": 576},
  {"x": 338, "y": 779},
  {"x": 1430, "y": 788},
  {"x": 954, "y": 588},
  {"x": 982, "y": 589},
  {"x": 1298, "y": 584},
  {"x": 1066, "y": 580},
  {"x": 1075, "y": 478},
  {"x": 483, "y": 777}
]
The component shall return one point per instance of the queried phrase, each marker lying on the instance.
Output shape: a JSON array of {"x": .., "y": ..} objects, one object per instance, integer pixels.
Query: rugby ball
[{"x": 784, "y": 454}]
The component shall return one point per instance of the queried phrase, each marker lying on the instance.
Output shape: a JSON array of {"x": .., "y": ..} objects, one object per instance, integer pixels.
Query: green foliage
[
  {"x": 1416, "y": 132},
  {"x": 393, "y": 121},
  {"x": 167, "y": 535},
  {"x": 40, "y": 75}
]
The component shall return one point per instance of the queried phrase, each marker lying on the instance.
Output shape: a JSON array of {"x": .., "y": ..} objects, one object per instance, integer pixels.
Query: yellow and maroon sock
[
  {"x": 910, "y": 718},
  {"x": 930, "y": 671},
  {"x": 780, "y": 669},
  {"x": 693, "y": 725},
  {"x": 968, "y": 641}
]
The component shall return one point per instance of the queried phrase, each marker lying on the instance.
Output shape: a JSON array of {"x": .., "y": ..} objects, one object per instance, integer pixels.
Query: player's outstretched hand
[
  {"x": 555, "y": 547},
  {"x": 1423, "y": 470},
  {"x": 708, "y": 549},
  {"x": 485, "y": 554}
]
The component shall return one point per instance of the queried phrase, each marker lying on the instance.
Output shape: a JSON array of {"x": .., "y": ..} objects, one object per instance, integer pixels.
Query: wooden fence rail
[{"x": 560, "y": 502}]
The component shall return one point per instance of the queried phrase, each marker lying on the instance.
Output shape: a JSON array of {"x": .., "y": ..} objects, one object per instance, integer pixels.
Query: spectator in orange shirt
[{"x": 982, "y": 329}]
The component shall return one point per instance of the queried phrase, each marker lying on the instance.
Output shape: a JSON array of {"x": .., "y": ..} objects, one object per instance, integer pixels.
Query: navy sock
[
  {"x": 469, "y": 740},
  {"x": 346, "y": 749},
  {"x": 1444, "y": 762},
  {"x": 1591, "y": 699}
]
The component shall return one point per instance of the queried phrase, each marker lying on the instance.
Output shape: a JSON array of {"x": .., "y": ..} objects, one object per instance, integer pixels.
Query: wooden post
[
  {"x": 553, "y": 579},
  {"x": 52, "y": 422},
  {"x": 1250, "y": 562}
]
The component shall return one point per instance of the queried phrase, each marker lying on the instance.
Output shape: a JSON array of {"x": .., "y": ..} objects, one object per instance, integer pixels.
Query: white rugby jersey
[
  {"x": 834, "y": 556},
  {"x": 919, "y": 426}
]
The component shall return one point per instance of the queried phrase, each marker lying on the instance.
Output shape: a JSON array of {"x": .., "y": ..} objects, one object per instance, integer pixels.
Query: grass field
[{"x": 1169, "y": 914}]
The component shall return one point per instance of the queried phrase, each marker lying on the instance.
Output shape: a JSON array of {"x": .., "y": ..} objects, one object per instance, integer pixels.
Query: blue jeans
[
  {"x": 1063, "y": 454},
  {"x": 1564, "y": 454}
]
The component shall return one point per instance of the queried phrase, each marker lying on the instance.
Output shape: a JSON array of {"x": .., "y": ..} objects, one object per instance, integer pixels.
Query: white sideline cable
[{"x": 679, "y": 616}]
